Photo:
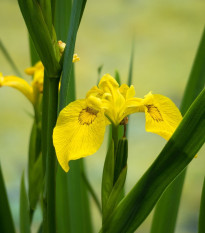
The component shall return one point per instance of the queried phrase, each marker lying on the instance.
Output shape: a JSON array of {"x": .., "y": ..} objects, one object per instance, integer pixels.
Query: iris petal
[
  {"x": 79, "y": 132},
  {"x": 19, "y": 84},
  {"x": 162, "y": 115}
]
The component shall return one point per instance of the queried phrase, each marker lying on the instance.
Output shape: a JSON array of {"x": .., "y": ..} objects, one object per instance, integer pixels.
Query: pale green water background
[{"x": 167, "y": 36}]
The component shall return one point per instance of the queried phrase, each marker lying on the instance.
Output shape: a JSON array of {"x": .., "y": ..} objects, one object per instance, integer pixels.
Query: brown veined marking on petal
[
  {"x": 87, "y": 116},
  {"x": 154, "y": 113}
]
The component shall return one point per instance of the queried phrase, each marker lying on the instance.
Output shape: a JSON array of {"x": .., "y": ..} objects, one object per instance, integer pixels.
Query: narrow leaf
[
  {"x": 33, "y": 53},
  {"x": 67, "y": 64},
  {"x": 24, "y": 209},
  {"x": 6, "y": 221},
  {"x": 116, "y": 194},
  {"x": 79, "y": 211},
  {"x": 99, "y": 70},
  {"x": 35, "y": 182},
  {"x": 176, "y": 155},
  {"x": 62, "y": 19},
  {"x": 197, "y": 77},
  {"x": 117, "y": 77},
  {"x": 202, "y": 211},
  {"x": 108, "y": 176},
  {"x": 121, "y": 157},
  {"x": 9, "y": 59},
  {"x": 40, "y": 36},
  {"x": 47, "y": 13},
  {"x": 130, "y": 73}
]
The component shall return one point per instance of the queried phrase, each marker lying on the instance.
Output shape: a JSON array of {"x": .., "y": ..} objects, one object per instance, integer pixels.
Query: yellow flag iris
[
  {"x": 31, "y": 91},
  {"x": 80, "y": 127}
]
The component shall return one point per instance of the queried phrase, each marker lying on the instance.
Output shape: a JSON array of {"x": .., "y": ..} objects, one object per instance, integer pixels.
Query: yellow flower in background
[
  {"x": 37, "y": 71},
  {"x": 80, "y": 127},
  {"x": 31, "y": 91}
]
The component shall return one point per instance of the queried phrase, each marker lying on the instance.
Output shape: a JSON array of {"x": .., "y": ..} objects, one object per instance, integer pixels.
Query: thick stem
[{"x": 49, "y": 120}]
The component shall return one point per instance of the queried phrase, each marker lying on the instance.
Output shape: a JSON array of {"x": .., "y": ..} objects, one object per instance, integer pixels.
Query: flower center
[
  {"x": 154, "y": 113},
  {"x": 87, "y": 116}
]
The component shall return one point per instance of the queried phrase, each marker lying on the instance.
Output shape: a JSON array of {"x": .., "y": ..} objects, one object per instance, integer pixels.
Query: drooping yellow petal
[
  {"x": 79, "y": 132},
  {"x": 19, "y": 84},
  {"x": 162, "y": 115}
]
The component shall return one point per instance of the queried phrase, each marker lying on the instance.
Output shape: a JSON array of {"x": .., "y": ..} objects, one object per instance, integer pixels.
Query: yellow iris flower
[
  {"x": 80, "y": 127},
  {"x": 31, "y": 91}
]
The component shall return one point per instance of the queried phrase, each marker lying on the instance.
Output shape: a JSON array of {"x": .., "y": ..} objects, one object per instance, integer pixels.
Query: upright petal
[
  {"x": 19, "y": 84},
  {"x": 162, "y": 115},
  {"x": 79, "y": 132},
  {"x": 31, "y": 70}
]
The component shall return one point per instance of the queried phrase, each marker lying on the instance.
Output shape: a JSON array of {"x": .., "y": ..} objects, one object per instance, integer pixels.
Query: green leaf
[
  {"x": 115, "y": 195},
  {"x": 117, "y": 77},
  {"x": 78, "y": 6},
  {"x": 34, "y": 145},
  {"x": 121, "y": 157},
  {"x": 197, "y": 77},
  {"x": 201, "y": 228},
  {"x": 9, "y": 59},
  {"x": 176, "y": 155},
  {"x": 130, "y": 73},
  {"x": 6, "y": 221},
  {"x": 35, "y": 182},
  {"x": 24, "y": 209},
  {"x": 62, "y": 203},
  {"x": 108, "y": 176},
  {"x": 35, "y": 167},
  {"x": 47, "y": 13},
  {"x": 99, "y": 70},
  {"x": 167, "y": 208},
  {"x": 79, "y": 211},
  {"x": 114, "y": 176},
  {"x": 62, "y": 19},
  {"x": 33, "y": 53},
  {"x": 45, "y": 45}
]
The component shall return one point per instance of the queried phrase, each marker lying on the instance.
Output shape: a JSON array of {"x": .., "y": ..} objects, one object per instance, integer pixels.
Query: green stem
[{"x": 50, "y": 111}]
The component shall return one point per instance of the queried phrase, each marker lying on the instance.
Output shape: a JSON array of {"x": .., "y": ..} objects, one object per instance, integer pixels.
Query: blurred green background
[{"x": 167, "y": 34}]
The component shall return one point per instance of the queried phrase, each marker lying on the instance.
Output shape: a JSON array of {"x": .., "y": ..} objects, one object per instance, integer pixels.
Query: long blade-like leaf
[
  {"x": 62, "y": 18},
  {"x": 24, "y": 209},
  {"x": 130, "y": 74},
  {"x": 166, "y": 211},
  {"x": 9, "y": 59},
  {"x": 176, "y": 155},
  {"x": 6, "y": 221},
  {"x": 78, "y": 6},
  {"x": 201, "y": 228},
  {"x": 33, "y": 53},
  {"x": 40, "y": 35}
]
